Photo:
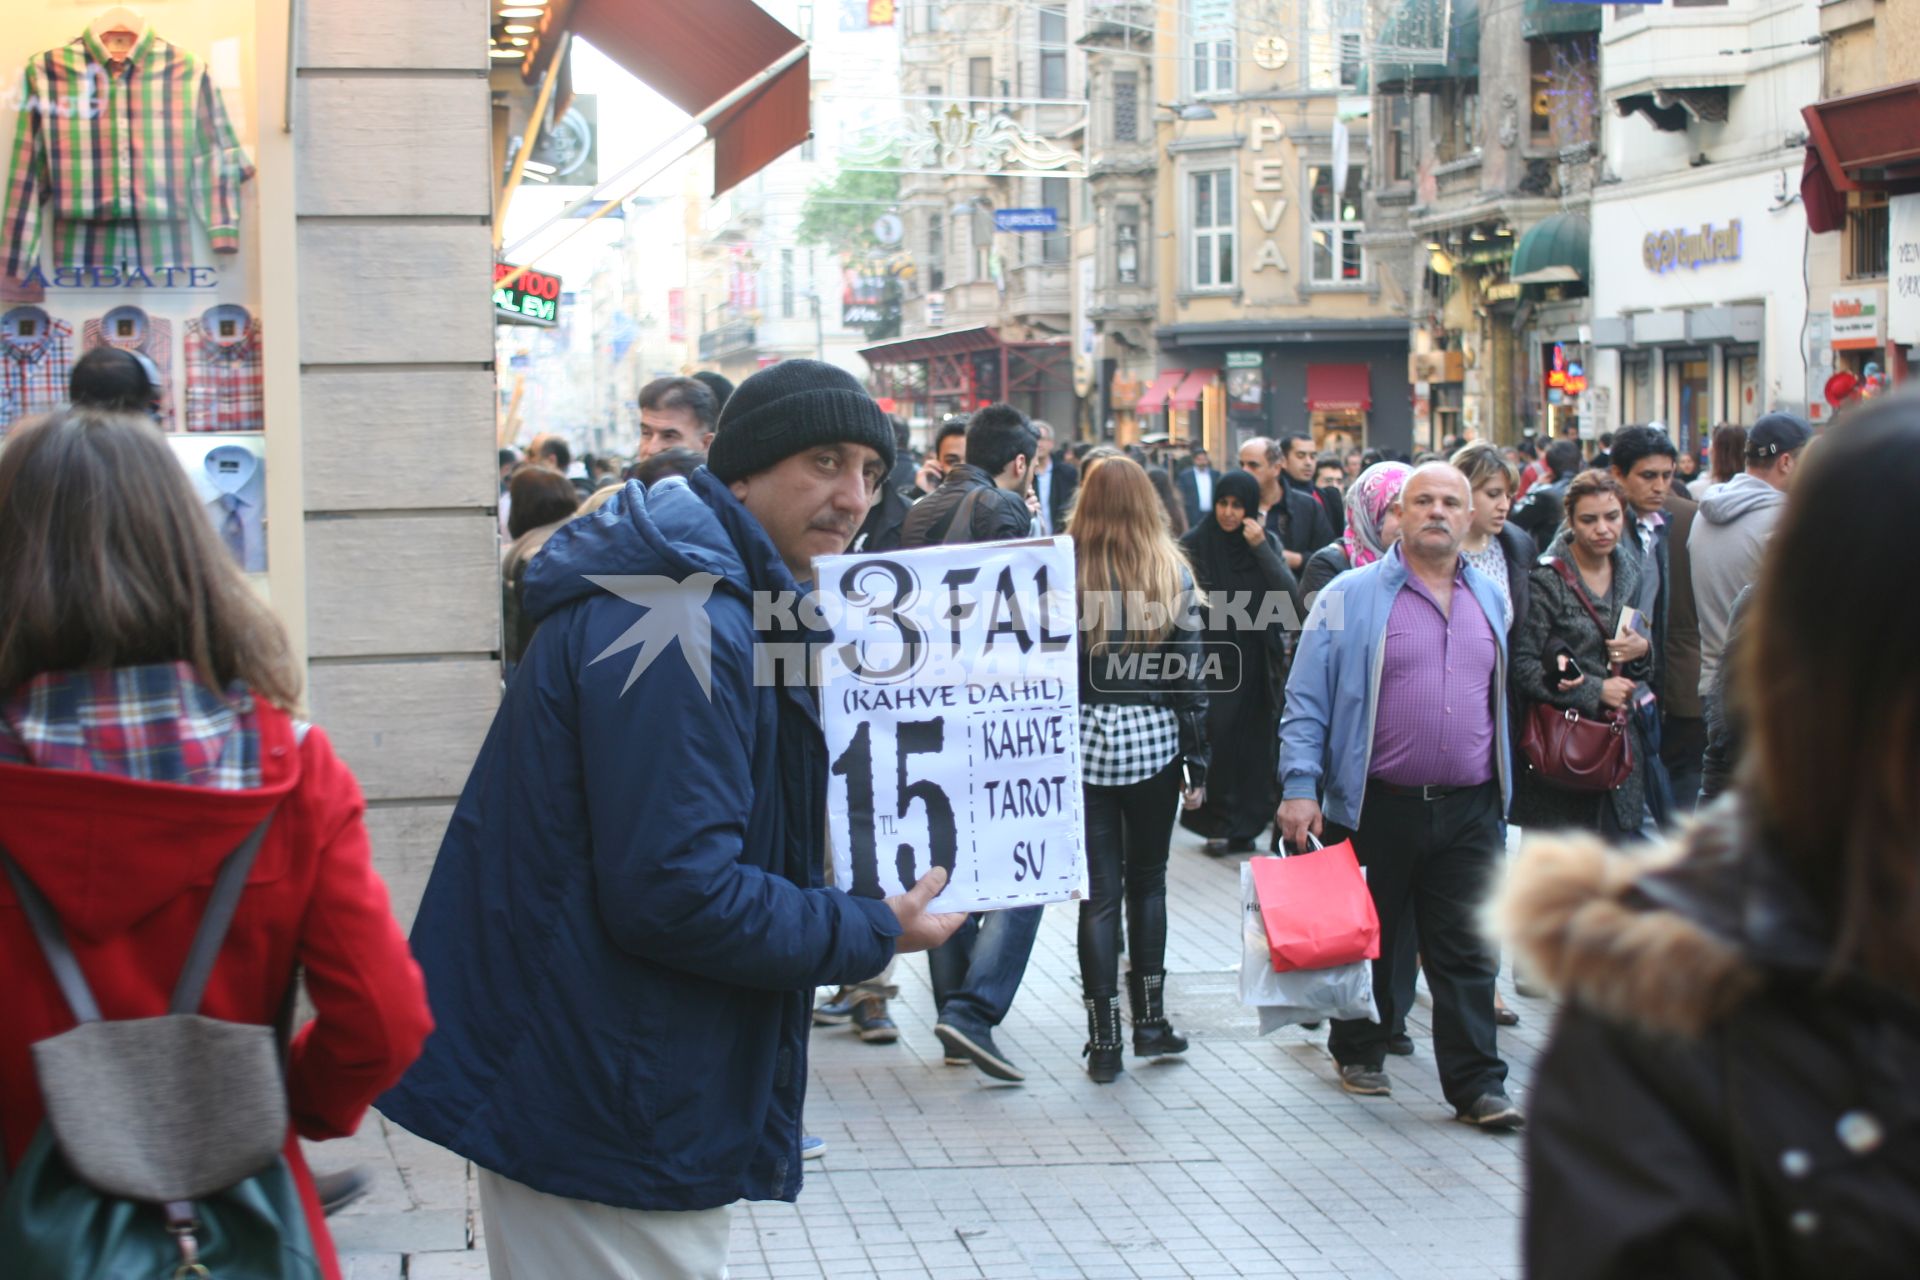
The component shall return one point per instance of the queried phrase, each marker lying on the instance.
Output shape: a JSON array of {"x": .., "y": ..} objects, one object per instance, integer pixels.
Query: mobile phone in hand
[{"x": 1565, "y": 663}]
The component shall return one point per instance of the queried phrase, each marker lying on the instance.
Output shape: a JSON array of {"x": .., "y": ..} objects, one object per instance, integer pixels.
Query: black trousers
[
  {"x": 1429, "y": 865},
  {"x": 1128, "y": 832},
  {"x": 1683, "y": 744}
]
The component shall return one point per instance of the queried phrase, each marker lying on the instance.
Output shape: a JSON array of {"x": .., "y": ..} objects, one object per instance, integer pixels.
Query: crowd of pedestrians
[{"x": 628, "y": 936}]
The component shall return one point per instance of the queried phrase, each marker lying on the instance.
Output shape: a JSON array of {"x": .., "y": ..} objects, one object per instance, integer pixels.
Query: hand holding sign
[{"x": 921, "y": 929}]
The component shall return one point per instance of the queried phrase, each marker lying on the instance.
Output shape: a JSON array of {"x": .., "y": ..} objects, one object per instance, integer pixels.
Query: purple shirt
[{"x": 1434, "y": 722}]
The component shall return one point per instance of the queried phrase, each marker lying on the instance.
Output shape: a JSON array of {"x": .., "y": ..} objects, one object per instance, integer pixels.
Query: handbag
[
  {"x": 1570, "y": 751},
  {"x": 1317, "y": 909},
  {"x": 1302, "y": 995},
  {"x": 161, "y": 1153}
]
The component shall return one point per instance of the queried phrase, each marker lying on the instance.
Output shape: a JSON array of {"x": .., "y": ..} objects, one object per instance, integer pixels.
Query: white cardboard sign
[{"x": 950, "y": 700}]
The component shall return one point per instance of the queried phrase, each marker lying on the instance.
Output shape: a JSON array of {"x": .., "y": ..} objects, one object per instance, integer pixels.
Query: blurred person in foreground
[
  {"x": 626, "y": 919},
  {"x": 146, "y": 727},
  {"x": 1729, "y": 1092}
]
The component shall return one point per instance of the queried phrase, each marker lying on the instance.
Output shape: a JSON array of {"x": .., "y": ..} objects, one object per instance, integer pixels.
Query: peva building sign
[{"x": 1665, "y": 251}]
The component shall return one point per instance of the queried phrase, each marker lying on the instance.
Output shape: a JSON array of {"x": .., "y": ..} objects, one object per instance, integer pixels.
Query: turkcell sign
[
  {"x": 1026, "y": 219},
  {"x": 532, "y": 299}
]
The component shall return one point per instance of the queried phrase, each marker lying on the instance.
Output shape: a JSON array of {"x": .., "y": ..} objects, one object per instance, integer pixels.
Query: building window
[
  {"x": 1056, "y": 194},
  {"x": 1126, "y": 106},
  {"x": 1338, "y": 257},
  {"x": 1457, "y": 120},
  {"x": 926, "y": 16},
  {"x": 1348, "y": 44},
  {"x": 1867, "y": 234},
  {"x": 1398, "y": 142},
  {"x": 980, "y": 82},
  {"x": 807, "y": 153},
  {"x": 934, "y": 94},
  {"x": 936, "y": 250},
  {"x": 1210, "y": 46},
  {"x": 1053, "y": 53},
  {"x": 1212, "y": 238},
  {"x": 1126, "y": 244},
  {"x": 786, "y": 284}
]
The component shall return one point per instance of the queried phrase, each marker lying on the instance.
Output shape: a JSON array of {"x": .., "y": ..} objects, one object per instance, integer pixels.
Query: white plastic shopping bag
[{"x": 1303, "y": 995}]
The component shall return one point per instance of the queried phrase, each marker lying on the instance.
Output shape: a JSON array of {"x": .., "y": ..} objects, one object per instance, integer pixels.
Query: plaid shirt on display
[
  {"x": 33, "y": 371},
  {"x": 126, "y": 154},
  {"x": 224, "y": 384},
  {"x": 156, "y": 723}
]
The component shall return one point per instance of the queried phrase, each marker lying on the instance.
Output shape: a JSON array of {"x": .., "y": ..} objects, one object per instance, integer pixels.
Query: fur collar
[{"x": 1650, "y": 939}]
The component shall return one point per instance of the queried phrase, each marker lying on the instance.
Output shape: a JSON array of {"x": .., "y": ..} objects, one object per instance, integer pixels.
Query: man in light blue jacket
[{"x": 1396, "y": 721}]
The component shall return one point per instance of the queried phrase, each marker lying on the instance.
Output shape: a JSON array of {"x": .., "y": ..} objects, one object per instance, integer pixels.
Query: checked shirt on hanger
[
  {"x": 33, "y": 366},
  {"x": 125, "y": 178},
  {"x": 224, "y": 391}
]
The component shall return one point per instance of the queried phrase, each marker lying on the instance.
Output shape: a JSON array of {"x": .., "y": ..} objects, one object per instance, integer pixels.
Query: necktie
[{"x": 233, "y": 531}]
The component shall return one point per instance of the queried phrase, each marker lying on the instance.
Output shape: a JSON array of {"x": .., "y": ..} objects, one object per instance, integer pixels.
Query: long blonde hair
[{"x": 1124, "y": 556}]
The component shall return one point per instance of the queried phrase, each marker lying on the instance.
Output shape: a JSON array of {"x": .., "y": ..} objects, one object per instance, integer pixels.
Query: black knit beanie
[{"x": 791, "y": 406}]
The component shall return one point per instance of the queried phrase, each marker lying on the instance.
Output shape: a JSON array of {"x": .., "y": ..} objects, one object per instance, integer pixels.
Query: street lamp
[{"x": 1189, "y": 110}]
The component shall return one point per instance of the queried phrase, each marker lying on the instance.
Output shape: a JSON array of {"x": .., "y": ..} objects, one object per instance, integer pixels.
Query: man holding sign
[{"x": 626, "y": 919}]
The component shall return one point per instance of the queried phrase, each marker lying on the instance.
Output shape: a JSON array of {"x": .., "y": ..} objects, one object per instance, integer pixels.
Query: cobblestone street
[{"x": 1244, "y": 1158}]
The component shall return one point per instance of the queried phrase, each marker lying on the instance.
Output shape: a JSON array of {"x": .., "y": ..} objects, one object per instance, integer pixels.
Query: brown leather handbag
[{"x": 1567, "y": 750}]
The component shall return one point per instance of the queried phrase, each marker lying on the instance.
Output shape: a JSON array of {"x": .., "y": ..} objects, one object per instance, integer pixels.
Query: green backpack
[{"x": 160, "y": 1157}]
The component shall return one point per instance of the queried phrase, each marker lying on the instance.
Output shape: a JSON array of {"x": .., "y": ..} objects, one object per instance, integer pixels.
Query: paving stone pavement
[{"x": 1241, "y": 1158}]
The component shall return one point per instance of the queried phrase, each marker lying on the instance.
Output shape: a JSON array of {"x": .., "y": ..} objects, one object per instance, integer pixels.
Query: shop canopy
[
  {"x": 1868, "y": 141},
  {"x": 694, "y": 55},
  {"x": 1187, "y": 394},
  {"x": 1154, "y": 398},
  {"x": 1339, "y": 388},
  {"x": 1546, "y": 19},
  {"x": 1553, "y": 251}
]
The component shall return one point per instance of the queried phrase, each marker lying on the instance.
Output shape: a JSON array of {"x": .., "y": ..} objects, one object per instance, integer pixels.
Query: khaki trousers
[{"x": 534, "y": 1236}]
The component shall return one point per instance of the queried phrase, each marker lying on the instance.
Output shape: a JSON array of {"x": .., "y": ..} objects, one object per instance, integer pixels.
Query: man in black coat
[
  {"x": 988, "y": 491},
  {"x": 1195, "y": 487},
  {"x": 1296, "y": 518},
  {"x": 1541, "y": 511},
  {"x": 1055, "y": 481}
]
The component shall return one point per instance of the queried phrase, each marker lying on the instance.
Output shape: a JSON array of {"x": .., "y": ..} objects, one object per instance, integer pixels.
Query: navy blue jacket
[{"x": 626, "y": 920}]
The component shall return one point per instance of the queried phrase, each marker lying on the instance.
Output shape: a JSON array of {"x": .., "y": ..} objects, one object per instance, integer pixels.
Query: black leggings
[{"x": 1128, "y": 831}]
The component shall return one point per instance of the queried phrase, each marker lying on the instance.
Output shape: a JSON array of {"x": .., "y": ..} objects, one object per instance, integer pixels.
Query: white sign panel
[
  {"x": 950, "y": 700},
  {"x": 1903, "y": 270}
]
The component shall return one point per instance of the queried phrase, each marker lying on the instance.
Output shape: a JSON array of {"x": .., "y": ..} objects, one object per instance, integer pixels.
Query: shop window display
[{"x": 128, "y": 218}]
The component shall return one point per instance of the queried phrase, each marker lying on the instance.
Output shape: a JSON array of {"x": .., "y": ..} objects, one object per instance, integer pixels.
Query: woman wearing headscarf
[
  {"x": 1371, "y": 527},
  {"x": 1232, "y": 555}
]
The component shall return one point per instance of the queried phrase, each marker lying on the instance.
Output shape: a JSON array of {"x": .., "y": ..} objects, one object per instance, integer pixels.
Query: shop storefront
[
  {"x": 962, "y": 370},
  {"x": 1691, "y": 326},
  {"x": 1345, "y": 381}
]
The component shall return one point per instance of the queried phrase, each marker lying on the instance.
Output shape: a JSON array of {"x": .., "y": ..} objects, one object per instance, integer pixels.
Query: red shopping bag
[{"x": 1317, "y": 909}]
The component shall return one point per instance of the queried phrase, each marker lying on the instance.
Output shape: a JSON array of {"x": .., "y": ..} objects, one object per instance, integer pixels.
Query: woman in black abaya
[{"x": 1232, "y": 555}]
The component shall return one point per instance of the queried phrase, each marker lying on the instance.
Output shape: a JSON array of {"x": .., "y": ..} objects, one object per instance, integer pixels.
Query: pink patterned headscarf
[{"x": 1367, "y": 502}]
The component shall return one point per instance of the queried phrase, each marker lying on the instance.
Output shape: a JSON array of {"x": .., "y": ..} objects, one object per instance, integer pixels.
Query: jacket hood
[
  {"x": 109, "y": 851},
  {"x": 1739, "y": 496},
  {"x": 680, "y": 527},
  {"x": 1670, "y": 940}
]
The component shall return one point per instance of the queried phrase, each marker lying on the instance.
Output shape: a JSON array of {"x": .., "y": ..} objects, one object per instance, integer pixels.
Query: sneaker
[
  {"x": 871, "y": 1021},
  {"x": 836, "y": 1012},
  {"x": 978, "y": 1048},
  {"x": 1400, "y": 1045},
  {"x": 812, "y": 1148},
  {"x": 1494, "y": 1112},
  {"x": 338, "y": 1190},
  {"x": 1370, "y": 1082}
]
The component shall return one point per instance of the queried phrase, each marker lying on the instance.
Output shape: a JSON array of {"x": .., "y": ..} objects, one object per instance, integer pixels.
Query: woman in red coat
[{"x": 144, "y": 731}]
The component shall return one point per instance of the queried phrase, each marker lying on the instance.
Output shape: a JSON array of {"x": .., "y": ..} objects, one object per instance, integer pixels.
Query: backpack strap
[
  {"x": 960, "y": 528},
  {"x": 53, "y": 943},
  {"x": 221, "y": 904}
]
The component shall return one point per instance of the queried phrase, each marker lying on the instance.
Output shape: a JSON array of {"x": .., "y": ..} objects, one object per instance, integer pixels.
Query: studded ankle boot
[
  {"x": 1153, "y": 1035},
  {"x": 1103, "y": 1037}
]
